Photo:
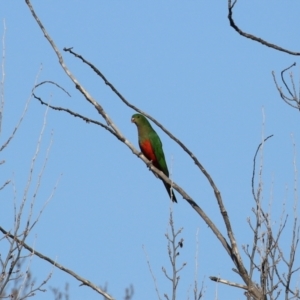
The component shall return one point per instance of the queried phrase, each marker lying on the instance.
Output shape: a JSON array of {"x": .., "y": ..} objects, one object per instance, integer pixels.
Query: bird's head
[{"x": 139, "y": 119}]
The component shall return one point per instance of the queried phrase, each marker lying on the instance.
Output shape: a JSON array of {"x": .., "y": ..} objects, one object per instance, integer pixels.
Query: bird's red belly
[{"x": 147, "y": 150}]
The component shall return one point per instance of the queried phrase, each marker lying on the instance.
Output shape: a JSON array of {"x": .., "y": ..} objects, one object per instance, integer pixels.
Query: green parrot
[{"x": 151, "y": 147}]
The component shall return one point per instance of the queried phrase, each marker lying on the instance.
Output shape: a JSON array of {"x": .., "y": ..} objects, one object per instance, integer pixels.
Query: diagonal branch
[
  {"x": 217, "y": 279},
  {"x": 234, "y": 253},
  {"x": 129, "y": 145},
  {"x": 82, "y": 90},
  {"x": 232, "y": 249},
  {"x": 57, "y": 265}
]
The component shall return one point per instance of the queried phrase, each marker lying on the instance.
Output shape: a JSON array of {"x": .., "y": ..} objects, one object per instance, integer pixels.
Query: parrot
[{"x": 151, "y": 146}]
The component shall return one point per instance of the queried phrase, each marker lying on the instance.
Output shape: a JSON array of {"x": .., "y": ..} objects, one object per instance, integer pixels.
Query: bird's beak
[{"x": 132, "y": 120}]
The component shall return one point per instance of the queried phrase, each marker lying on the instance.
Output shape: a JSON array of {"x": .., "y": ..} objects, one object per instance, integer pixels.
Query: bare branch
[
  {"x": 57, "y": 265},
  {"x": 19, "y": 123},
  {"x": 151, "y": 272},
  {"x": 87, "y": 120},
  {"x": 250, "y": 36},
  {"x": 295, "y": 98},
  {"x": 160, "y": 174},
  {"x": 234, "y": 254},
  {"x": 254, "y": 163},
  {"x": 83, "y": 91},
  {"x": 231, "y": 249},
  {"x": 4, "y": 184},
  {"x": 173, "y": 252},
  {"x": 50, "y": 82},
  {"x": 129, "y": 292},
  {"x": 217, "y": 279}
]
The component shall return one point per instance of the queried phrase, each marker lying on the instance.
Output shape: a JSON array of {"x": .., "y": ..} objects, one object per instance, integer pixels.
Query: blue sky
[{"x": 180, "y": 62}]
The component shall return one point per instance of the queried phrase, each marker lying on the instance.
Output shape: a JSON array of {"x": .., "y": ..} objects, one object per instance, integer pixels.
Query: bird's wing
[{"x": 158, "y": 151}]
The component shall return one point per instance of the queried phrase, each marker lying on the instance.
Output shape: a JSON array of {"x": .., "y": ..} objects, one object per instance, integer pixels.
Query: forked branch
[
  {"x": 294, "y": 98},
  {"x": 57, "y": 265},
  {"x": 231, "y": 247}
]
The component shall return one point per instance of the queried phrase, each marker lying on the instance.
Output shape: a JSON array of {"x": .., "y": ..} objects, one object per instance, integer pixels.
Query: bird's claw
[{"x": 149, "y": 164}]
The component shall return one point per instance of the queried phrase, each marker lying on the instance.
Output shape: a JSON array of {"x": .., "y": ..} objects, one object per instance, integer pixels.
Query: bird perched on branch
[{"x": 151, "y": 147}]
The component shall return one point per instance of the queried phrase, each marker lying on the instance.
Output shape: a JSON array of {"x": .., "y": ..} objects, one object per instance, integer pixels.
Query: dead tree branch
[
  {"x": 230, "y": 247},
  {"x": 56, "y": 264},
  {"x": 250, "y": 36},
  {"x": 234, "y": 254},
  {"x": 266, "y": 256},
  {"x": 9, "y": 263},
  {"x": 72, "y": 113},
  {"x": 294, "y": 99},
  {"x": 224, "y": 281}
]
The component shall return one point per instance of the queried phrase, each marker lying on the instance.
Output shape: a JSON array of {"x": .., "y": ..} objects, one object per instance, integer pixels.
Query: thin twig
[
  {"x": 282, "y": 78},
  {"x": 87, "y": 120},
  {"x": 151, "y": 272},
  {"x": 254, "y": 162}
]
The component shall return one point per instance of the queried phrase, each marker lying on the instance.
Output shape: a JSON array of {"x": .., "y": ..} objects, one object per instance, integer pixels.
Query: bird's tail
[{"x": 170, "y": 192}]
